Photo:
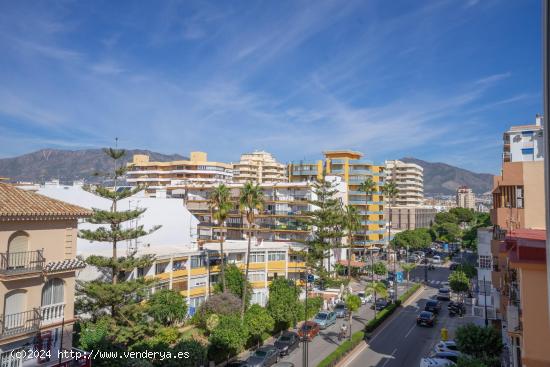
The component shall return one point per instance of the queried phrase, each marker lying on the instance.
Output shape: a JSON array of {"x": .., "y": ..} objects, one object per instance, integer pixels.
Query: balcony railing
[
  {"x": 19, "y": 323},
  {"x": 21, "y": 262},
  {"x": 52, "y": 313}
]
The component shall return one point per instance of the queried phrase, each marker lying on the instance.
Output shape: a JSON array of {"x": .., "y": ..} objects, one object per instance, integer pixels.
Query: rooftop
[{"x": 15, "y": 202}]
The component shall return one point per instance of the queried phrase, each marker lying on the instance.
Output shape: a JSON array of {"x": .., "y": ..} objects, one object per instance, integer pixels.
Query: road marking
[
  {"x": 356, "y": 353},
  {"x": 391, "y": 355},
  {"x": 410, "y": 330}
]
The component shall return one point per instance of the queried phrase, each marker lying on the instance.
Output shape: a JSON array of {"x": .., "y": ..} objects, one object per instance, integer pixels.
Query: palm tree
[
  {"x": 376, "y": 289},
  {"x": 220, "y": 205},
  {"x": 389, "y": 189},
  {"x": 407, "y": 268},
  {"x": 251, "y": 199},
  {"x": 353, "y": 303},
  {"x": 368, "y": 187},
  {"x": 352, "y": 223}
]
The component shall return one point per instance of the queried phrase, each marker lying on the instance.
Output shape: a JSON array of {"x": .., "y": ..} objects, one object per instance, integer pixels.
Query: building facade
[
  {"x": 159, "y": 175},
  {"x": 465, "y": 198},
  {"x": 524, "y": 143},
  {"x": 409, "y": 180},
  {"x": 411, "y": 217},
  {"x": 259, "y": 167},
  {"x": 353, "y": 170},
  {"x": 37, "y": 276}
]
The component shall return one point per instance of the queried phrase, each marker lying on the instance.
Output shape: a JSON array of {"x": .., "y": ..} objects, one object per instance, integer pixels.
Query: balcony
[
  {"x": 52, "y": 313},
  {"x": 19, "y": 323},
  {"x": 14, "y": 263},
  {"x": 513, "y": 317}
]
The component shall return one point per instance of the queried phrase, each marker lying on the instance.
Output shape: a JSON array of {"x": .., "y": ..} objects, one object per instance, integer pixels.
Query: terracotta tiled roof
[{"x": 15, "y": 202}]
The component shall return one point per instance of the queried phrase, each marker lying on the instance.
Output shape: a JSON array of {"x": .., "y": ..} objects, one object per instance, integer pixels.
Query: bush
[
  {"x": 220, "y": 304},
  {"x": 333, "y": 358},
  {"x": 409, "y": 292}
]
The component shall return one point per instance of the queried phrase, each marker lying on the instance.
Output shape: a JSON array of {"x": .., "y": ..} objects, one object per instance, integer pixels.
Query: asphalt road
[{"x": 401, "y": 343}]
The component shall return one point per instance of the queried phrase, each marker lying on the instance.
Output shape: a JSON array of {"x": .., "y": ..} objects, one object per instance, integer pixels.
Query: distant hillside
[
  {"x": 442, "y": 178},
  {"x": 67, "y": 165}
]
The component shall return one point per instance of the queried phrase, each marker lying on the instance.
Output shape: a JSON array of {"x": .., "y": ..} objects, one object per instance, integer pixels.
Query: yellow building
[
  {"x": 159, "y": 175},
  {"x": 37, "y": 275},
  {"x": 354, "y": 170}
]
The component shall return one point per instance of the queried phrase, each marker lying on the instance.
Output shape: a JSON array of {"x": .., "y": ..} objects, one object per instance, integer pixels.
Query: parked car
[
  {"x": 419, "y": 254},
  {"x": 436, "y": 259},
  {"x": 287, "y": 342},
  {"x": 453, "y": 266},
  {"x": 446, "y": 346},
  {"x": 433, "y": 306},
  {"x": 283, "y": 364},
  {"x": 340, "y": 310},
  {"x": 380, "y": 304},
  {"x": 236, "y": 363},
  {"x": 413, "y": 258},
  {"x": 308, "y": 330},
  {"x": 425, "y": 318},
  {"x": 450, "y": 356},
  {"x": 436, "y": 362},
  {"x": 364, "y": 297},
  {"x": 325, "y": 319},
  {"x": 265, "y": 356},
  {"x": 444, "y": 293}
]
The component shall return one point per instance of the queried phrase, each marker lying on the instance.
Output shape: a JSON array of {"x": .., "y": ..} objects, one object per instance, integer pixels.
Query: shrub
[
  {"x": 220, "y": 304},
  {"x": 333, "y": 358}
]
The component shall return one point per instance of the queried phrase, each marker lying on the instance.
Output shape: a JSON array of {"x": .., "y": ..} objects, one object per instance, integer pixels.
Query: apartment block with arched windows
[{"x": 37, "y": 276}]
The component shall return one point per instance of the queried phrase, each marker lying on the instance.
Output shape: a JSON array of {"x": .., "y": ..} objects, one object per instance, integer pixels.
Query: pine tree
[
  {"x": 98, "y": 295},
  {"x": 327, "y": 223}
]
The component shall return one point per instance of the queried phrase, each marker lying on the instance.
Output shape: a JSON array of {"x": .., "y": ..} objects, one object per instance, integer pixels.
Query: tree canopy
[
  {"x": 413, "y": 239},
  {"x": 482, "y": 343},
  {"x": 283, "y": 304},
  {"x": 459, "y": 282},
  {"x": 167, "y": 307}
]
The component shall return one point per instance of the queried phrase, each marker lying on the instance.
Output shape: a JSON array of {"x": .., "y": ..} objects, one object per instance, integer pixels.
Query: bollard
[{"x": 444, "y": 334}]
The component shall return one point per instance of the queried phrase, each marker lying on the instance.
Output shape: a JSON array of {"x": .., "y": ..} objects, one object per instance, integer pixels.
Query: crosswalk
[{"x": 431, "y": 282}]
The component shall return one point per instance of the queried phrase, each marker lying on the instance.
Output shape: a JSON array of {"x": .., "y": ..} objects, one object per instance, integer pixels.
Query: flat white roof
[{"x": 236, "y": 245}]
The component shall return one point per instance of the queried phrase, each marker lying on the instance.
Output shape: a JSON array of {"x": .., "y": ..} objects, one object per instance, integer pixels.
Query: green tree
[
  {"x": 258, "y": 321},
  {"x": 470, "y": 362},
  {"x": 220, "y": 205},
  {"x": 326, "y": 222},
  {"x": 351, "y": 223},
  {"x": 407, "y": 268},
  {"x": 230, "y": 336},
  {"x": 221, "y": 304},
  {"x": 167, "y": 307},
  {"x": 368, "y": 187},
  {"x": 250, "y": 201},
  {"x": 445, "y": 217},
  {"x": 463, "y": 215},
  {"x": 449, "y": 232},
  {"x": 459, "y": 282},
  {"x": 353, "y": 303},
  {"x": 390, "y": 193},
  {"x": 380, "y": 268},
  {"x": 483, "y": 343},
  {"x": 468, "y": 269},
  {"x": 234, "y": 279},
  {"x": 377, "y": 289},
  {"x": 413, "y": 239},
  {"x": 283, "y": 304}
]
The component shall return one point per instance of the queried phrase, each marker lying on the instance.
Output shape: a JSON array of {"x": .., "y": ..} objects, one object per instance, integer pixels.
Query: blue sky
[{"x": 438, "y": 80}]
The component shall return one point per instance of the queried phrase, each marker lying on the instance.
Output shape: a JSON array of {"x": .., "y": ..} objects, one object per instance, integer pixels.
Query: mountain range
[{"x": 70, "y": 165}]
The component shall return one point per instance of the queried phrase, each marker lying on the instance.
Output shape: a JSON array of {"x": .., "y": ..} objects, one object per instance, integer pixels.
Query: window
[
  {"x": 527, "y": 151},
  {"x": 296, "y": 258},
  {"x": 256, "y": 277},
  {"x": 485, "y": 262},
  {"x": 197, "y": 262},
  {"x": 196, "y": 301},
  {"x": 214, "y": 278},
  {"x": 257, "y": 257},
  {"x": 140, "y": 272},
  {"x": 52, "y": 292},
  {"x": 527, "y": 133},
  {"x": 198, "y": 282},
  {"x": 275, "y": 275},
  {"x": 235, "y": 258},
  {"x": 160, "y": 267},
  {"x": 258, "y": 298},
  {"x": 519, "y": 197},
  {"x": 276, "y": 256},
  {"x": 179, "y": 265}
]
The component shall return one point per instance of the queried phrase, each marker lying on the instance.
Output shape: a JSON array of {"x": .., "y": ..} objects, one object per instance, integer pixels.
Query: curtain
[{"x": 52, "y": 293}]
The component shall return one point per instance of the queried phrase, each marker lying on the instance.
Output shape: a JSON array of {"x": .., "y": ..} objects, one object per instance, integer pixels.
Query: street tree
[
  {"x": 251, "y": 200},
  {"x": 459, "y": 282},
  {"x": 483, "y": 343},
  {"x": 220, "y": 205},
  {"x": 353, "y": 303},
  {"x": 167, "y": 307},
  {"x": 463, "y": 215},
  {"x": 377, "y": 289},
  {"x": 229, "y": 336},
  {"x": 258, "y": 321},
  {"x": 445, "y": 217},
  {"x": 380, "y": 268},
  {"x": 407, "y": 268},
  {"x": 351, "y": 223},
  {"x": 449, "y": 232},
  {"x": 283, "y": 304},
  {"x": 234, "y": 279},
  {"x": 369, "y": 188},
  {"x": 390, "y": 191}
]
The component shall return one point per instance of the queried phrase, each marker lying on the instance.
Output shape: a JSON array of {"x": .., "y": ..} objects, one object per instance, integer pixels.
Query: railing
[
  {"x": 513, "y": 318},
  {"x": 21, "y": 262},
  {"x": 52, "y": 313},
  {"x": 19, "y": 323}
]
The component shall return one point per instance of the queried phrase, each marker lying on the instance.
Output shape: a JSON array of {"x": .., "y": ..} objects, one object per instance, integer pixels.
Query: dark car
[
  {"x": 453, "y": 266},
  {"x": 287, "y": 342},
  {"x": 380, "y": 304},
  {"x": 426, "y": 318},
  {"x": 265, "y": 356},
  {"x": 433, "y": 306},
  {"x": 236, "y": 364},
  {"x": 340, "y": 310},
  {"x": 308, "y": 330}
]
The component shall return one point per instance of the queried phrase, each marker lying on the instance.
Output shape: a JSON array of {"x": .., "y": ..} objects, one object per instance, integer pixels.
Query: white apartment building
[
  {"x": 409, "y": 179},
  {"x": 159, "y": 175},
  {"x": 486, "y": 293},
  {"x": 259, "y": 167},
  {"x": 524, "y": 143},
  {"x": 465, "y": 198}
]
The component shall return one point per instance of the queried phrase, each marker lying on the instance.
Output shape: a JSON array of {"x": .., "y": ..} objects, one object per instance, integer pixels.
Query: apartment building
[
  {"x": 465, "y": 198},
  {"x": 259, "y": 167},
  {"x": 409, "y": 180},
  {"x": 37, "y": 275},
  {"x": 158, "y": 175},
  {"x": 518, "y": 277},
  {"x": 524, "y": 143},
  {"x": 411, "y": 217},
  {"x": 353, "y": 170}
]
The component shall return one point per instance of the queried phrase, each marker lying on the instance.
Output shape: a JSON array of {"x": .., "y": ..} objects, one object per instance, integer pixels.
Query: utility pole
[{"x": 305, "y": 340}]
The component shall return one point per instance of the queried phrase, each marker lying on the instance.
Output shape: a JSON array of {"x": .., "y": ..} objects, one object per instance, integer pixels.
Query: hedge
[
  {"x": 333, "y": 358},
  {"x": 385, "y": 313}
]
